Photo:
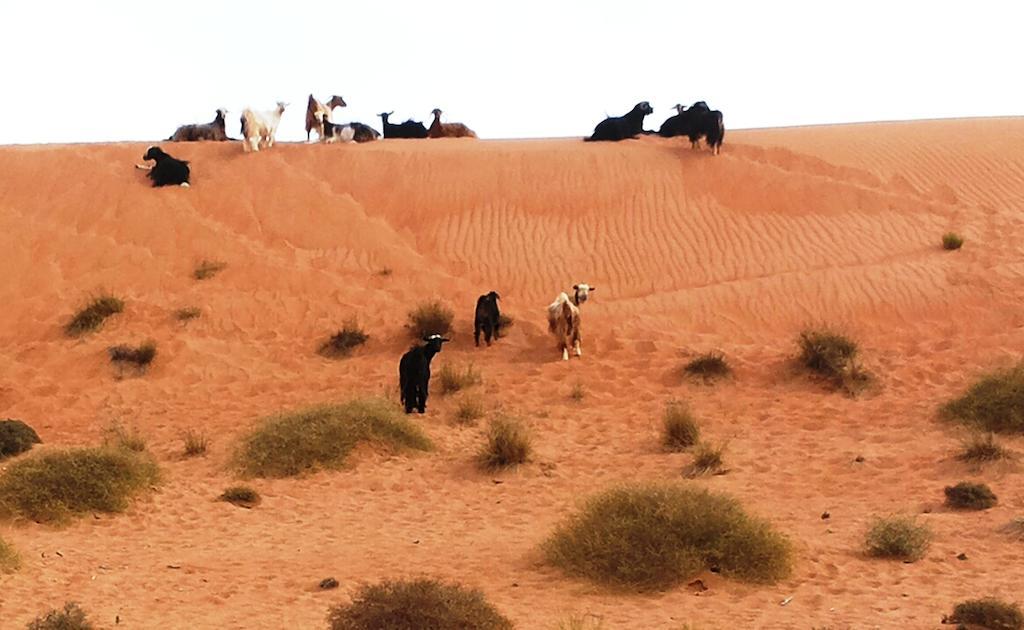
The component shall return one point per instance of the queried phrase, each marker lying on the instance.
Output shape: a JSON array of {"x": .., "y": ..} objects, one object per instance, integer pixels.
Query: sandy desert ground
[{"x": 787, "y": 228}]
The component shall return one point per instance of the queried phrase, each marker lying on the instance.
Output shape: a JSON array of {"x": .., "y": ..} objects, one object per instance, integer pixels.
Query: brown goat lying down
[
  {"x": 439, "y": 129},
  {"x": 213, "y": 131}
]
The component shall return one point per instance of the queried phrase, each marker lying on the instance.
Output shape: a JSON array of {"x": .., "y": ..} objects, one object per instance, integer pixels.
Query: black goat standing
[
  {"x": 487, "y": 318},
  {"x": 414, "y": 373},
  {"x": 408, "y": 129},
  {"x": 622, "y": 127},
  {"x": 167, "y": 171}
]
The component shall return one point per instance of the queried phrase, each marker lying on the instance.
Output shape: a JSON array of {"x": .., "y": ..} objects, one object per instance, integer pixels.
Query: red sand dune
[{"x": 788, "y": 227}]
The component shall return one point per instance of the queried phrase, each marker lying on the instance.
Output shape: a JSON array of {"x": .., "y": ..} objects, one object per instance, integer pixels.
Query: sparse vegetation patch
[
  {"x": 451, "y": 379},
  {"x": 707, "y": 460},
  {"x": 988, "y": 612},
  {"x": 680, "y": 427},
  {"x": 208, "y": 269},
  {"x": 139, "y": 356},
  {"x": 578, "y": 392},
  {"x": 187, "y": 314},
  {"x": 54, "y": 486},
  {"x": 970, "y": 496},
  {"x": 649, "y": 537},
  {"x": 341, "y": 344},
  {"x": 196, "y": 443},
  {"x": 952, "y": 240},
  {"x": 898, "y": 537},
  {"x": 508, "y": 444},
  {"x": 708, "y": 367},
  {"x": 71, "y": 617},
  {"x": 982, "y": 448},
  {"x": 994, "y": 403},
  {"x": 469, "y": 410},
  {"x": 118, "y": 436},
  {"x": 93, "y": 315},
  {"x": 430, "y": 318},
  {"x": 323, "y": 436},
  {"x": 417, "y": 604},
  {"x": 9, "y": 560},
  {"x": 242, "y": 496},
  {"x": 16, "y": 437},
  {"x": 834, "y": 357}
]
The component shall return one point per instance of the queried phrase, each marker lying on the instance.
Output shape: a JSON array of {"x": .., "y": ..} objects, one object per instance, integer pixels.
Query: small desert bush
[
  {"x": 649, "y": 537},
  {"x": 952, "y": 240},
  {"x": 242, "y": 496},
  {"x": 451, "y": 379},
  {"x": 196, "y": 443},
  {"x": 92, "y": 316},
  {"x": 707, "y": 460},
  {"x": 341, "y": 344},
  {"x": 70, "y": 618},
  {"x": 9, "y": 560},
  {"x": 508, "y": 444},
  {"x": 417, "y": 604},
  {"x": 899, "y": 537},
  {"x": 56, "y": 485},
  {"x": 578, "y": 392},
  {"x": 293, "y": 443},
  {"x": 16, "y": 437},
  {"x": 1014, "y": 529},
  {"x": 680, "y": 427},
  {"x": 970, "y": 496},
  {"x": 834, "y": 357},
  {"x": 208, "y": 269},
  {"x": 129, "y": 439},
  {"x": 469, "y": 410},
  {"x": 982, "y": 448},
  {"x": 430, "y": 318},
  {"x": 187, "y": 314},
  {"x": 581, "y": 622},
  {"x": 139, "y": 356},
  {"x": 994, "y": 403},
  {"x": 708, "y": 367},
  {"x": 988, "y": 612}
]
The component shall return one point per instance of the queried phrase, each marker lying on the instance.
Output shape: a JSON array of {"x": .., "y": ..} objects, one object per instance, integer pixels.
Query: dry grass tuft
[
  {"x": 187, "y": 314},
  {"x": 341, "y": 344},
  {"x": 1014, "y": 529},
  {"x": 430, "y": 318},
  {"x": 139, "y": 356},
  {"x": 707, "y": 460},
  {"x": 970, "y": 496},
  {"x": 578, "y": 392},
  {"x": 196, "y": 443},
  {"x": 680, "y": 427},
  {"x": 508, "y": 444},
  {"x": 451, "y": 379},
  {"x": 92, "y": 316},
  {"x": 469, "y": 410},
  {"x": 988, "y": 612},
  {"x": 898, "y": 537},
  {"x": 9, "y": 559},
  {"x": 208, "y": 269},
  {"x": 834, "y": 357},
  {"x": 983, "y": 448},
  {"x": 649, "y": 537},
  {"x": 995, "y": 403},
  {"x": 242, "y": 496},
  {"x": 708, "y": 367},
  {"x": 952, "y": 240},
  {"x": 116, "y": 435},
  {"x": 414, "y": 604},
  {"x": 71, "y": 617}
]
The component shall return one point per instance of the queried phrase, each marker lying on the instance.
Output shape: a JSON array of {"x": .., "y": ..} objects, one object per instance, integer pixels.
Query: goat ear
[
  {"x": 575, "y": 287},
  {"x": 593, "y": 288}
]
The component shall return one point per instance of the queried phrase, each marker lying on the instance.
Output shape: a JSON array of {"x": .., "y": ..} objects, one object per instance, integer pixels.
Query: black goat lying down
[
  {"x": 408, "y": 129},
  {"x": 622, "y": 127},
  {"x": 487, "y": 317},
  {"x": 167, "y": 171},
  {"x": 414, "y": 373}
]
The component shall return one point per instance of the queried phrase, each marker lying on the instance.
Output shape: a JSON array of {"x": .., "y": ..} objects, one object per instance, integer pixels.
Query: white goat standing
[{"x": 259, "y": 128}]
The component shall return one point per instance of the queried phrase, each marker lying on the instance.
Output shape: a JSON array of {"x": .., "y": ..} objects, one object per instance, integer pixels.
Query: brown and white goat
[
  {"x": 564, "y": 319},
  {"x": 314, "y": 106}
]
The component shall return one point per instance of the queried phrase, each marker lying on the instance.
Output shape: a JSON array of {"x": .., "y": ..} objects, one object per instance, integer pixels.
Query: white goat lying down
[
  {"x": 259, "y": 128},
  {"x": 564, "y": 319}
]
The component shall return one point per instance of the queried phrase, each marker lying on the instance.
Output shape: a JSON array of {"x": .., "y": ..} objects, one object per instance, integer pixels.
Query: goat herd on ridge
[{"x": 259, "y": 128}]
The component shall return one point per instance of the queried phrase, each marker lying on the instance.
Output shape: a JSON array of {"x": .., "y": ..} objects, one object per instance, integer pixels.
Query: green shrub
[
  {"x": 469, "y": 410},
  {"x": 139, "y": 356},
  {"x": 708, "y": 367},
  {"x": 242, "y": 496},
  {"x": 341, "y": 344},
  {"x": 952, "y": 240},
  {"x": 450, "y": 379},
  {"x": 56, "y": 485},
  {"x": 649, "y": 537},
  {"x": 430, "y": 318},
  {"x": 422, "y": 604},
  {"x": 196, "y": 443},
  {"x": 70, "y": 618},
  {"x": 707, "y": 460},
  {"x": 16, "y": 437},
  {"x": 982, "y": 448},
  {"x": 9, "y": 560},
  {"x": 834, "y": 357},
  {"x": 508, "y": 444},
  {"x": 118, "y": 436},
  {"x": 92, "y": 316},
  {"x": 988, "y": 612},
  {"x": 680, "y": 428},
  {"x": 898, "y": 537},
  {"x": 994, "y": 403},
  {"x": 322, "y": 437},
  {"x": 970, "y": 496},
  {"x": 208, "y": 269},
  {"x": 187, "y": 314}
]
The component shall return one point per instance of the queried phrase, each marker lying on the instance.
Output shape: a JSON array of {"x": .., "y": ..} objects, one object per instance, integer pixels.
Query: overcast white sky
[{"x": 75, "y": 71}]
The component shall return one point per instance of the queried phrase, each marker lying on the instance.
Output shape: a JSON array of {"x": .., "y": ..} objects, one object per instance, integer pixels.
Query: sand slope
[{"x": 786, "y": 228}]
